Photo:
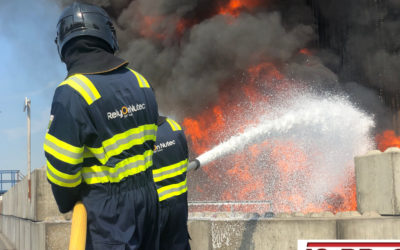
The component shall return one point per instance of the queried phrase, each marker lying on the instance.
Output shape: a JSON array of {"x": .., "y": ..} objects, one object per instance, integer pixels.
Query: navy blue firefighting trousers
[
  {"x": 174, "y": 233},
  {"x": 123, "y": 216}
]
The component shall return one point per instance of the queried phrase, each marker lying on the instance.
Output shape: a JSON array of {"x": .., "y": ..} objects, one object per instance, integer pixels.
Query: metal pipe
[
  {"x": 193, "y": 165},
  {"x": 27, "y": 107}
]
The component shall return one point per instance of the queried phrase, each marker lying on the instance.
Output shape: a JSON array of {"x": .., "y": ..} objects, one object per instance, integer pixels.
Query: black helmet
[{"x": 80, "y": 19}]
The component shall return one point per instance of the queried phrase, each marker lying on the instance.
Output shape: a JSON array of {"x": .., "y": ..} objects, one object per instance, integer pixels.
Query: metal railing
[{"x": 9, "y": 177}]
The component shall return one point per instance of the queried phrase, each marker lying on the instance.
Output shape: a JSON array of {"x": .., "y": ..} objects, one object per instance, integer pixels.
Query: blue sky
[{"x": 29, "y": 67}]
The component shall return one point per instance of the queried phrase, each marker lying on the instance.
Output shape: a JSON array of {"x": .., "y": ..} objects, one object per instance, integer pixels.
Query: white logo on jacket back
[
  {"x": 126, "y": 111},
  {"x": 160, "y": 147}
]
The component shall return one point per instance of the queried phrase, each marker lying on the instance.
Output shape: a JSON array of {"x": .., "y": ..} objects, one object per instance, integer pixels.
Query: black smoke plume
[{"x": 187, "y": 49}]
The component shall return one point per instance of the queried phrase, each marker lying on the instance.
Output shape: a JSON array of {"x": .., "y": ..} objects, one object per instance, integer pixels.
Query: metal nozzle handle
[{"x": 193, "y": 165}]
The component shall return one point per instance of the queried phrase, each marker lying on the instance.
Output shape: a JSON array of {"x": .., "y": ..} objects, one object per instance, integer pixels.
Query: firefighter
[
  {"x": 170, "y": 161},
  {"x": 101, "y": 135}
]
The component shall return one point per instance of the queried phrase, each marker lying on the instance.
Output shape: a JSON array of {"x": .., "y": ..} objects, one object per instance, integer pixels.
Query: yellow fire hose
[{"x": 78, "y": 227}]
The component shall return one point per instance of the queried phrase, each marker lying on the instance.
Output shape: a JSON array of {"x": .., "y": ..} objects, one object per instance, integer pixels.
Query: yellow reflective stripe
[
  {"x": 83, "y": 86},
  {"x": 120, "y": 142},
  {"x": 130, "y": 166},
  {"x": 141, "y": 80},
  {"x": 62, "y": 179},
  {"x": 87, "y": 153},
  {"x": 90, "y": 85},
  {"x": 170, "y": 171},
  {"x": 171, "y": 124},
  {"x": 144, "y": 80},
  {"x": 174, "y": 125},
  {"x": 62, "y": 157},
  {"x": 171, "y": 190},
  {"x": 79, "y": 89},
  {"x": 64, "y": 145},
  {"x": 177, "y": 125},
  {"x": 62, "y": 150}
]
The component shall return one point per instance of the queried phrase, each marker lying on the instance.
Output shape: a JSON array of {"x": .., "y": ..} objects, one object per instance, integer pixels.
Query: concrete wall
[
  {"x": 41, "y": 206},
  {"x": 258, "y": 234},
  {"x": 283, "y": 233},
  {"x": 37, "y": 224},
  {"x": 29, "y": 235},
  {"x": 34, "y": 224}
]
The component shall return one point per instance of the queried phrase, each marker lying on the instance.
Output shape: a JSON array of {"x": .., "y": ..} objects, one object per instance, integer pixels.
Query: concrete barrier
[
  {"x": 258, "y": 234},
  {"x": 34, "y": 224},
  {"x": 369, "y": 228},
  {"x": 283, "y": 233},
  {"x": 40, "y": 207},
  {"x": 378, "y": 182},
  {"x": 29, "y": 235},
  {"x": 37, "y": 224}
]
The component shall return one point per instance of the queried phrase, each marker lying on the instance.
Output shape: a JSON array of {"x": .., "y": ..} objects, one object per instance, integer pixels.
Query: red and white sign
[{"x": 348, "y": 245}]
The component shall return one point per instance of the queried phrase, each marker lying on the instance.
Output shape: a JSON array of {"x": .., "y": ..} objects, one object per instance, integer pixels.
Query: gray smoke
[
  {"x": 188, "y": 51},
  {"x": 369, "y": 33}
]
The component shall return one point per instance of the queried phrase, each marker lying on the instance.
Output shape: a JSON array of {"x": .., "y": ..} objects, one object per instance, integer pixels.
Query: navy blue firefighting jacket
[
  {"x": 170, "y": 161},
  {"x": 102, "y": 129}
]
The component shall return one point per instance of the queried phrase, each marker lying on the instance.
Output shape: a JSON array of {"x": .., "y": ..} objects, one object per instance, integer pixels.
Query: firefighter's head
[{"x": 84, "y": 20}]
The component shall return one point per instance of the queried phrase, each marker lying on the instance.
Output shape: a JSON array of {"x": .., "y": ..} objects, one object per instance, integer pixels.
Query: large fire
[
  {"x": 248, "y": 93},
  {"x": 237, "y": 175}
]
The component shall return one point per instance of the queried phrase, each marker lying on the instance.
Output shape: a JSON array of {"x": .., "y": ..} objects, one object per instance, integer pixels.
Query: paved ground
[{"x": 5, "y": 244}]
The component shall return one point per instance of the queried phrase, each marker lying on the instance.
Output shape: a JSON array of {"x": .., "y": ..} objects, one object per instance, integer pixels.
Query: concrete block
[
  {"x": 38, "y": 236},
  {"x": 320, "y": 215},
  {"x": 57, "y": 235},
  {"x": 40, "y": 207},
  {"x": 21, "y": 235},
  {"x": 348, "y": 214},
  {"x": 199, "y": 232},
  {"x": 15, "y": 236},
  {"x": 258, "y": 234},
  {"x": 226, "y": 235},
  {"x": 369, "y": 228},
  {"x": 283, "y": 215},
  {"x": 28, "y": 235},
  {"x": 283, "y": 234},
  {"x": 378, "y": 182},
  {"x": 371, "y": 214}
]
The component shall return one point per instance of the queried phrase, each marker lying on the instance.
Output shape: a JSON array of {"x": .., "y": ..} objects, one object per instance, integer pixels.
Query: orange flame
[
  {"x": 148, "y": 27},
  {"x": 246, "y": 176},
  {"x": 234, "y": 7},
  {"x": 387, "y": 139},
  {"x": 305, "y": 51}
]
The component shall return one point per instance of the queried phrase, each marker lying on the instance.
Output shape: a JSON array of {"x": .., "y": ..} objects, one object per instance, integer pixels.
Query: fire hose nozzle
[{"x": 193, "y": 165}]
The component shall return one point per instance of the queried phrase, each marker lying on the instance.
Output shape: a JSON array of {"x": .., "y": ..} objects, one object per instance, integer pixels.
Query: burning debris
[{"x": 222, "y": 66}]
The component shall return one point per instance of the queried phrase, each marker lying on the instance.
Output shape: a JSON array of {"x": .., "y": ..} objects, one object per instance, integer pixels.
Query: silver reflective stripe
[
  {"x": 176, "y": 169},
  {"x": 63, "y": 151},
  {"x": 120, "y": 170},
  {"x": 84, "y": 86},
  {"x": 172, "y": 124},
  {"x": 171, "y": 190},
  {"x": 99, "y": 156},
  {"x": 62, "y": 179},
  {"x": 144, "y": 82},
  {"x": 122, "y": 141}
]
